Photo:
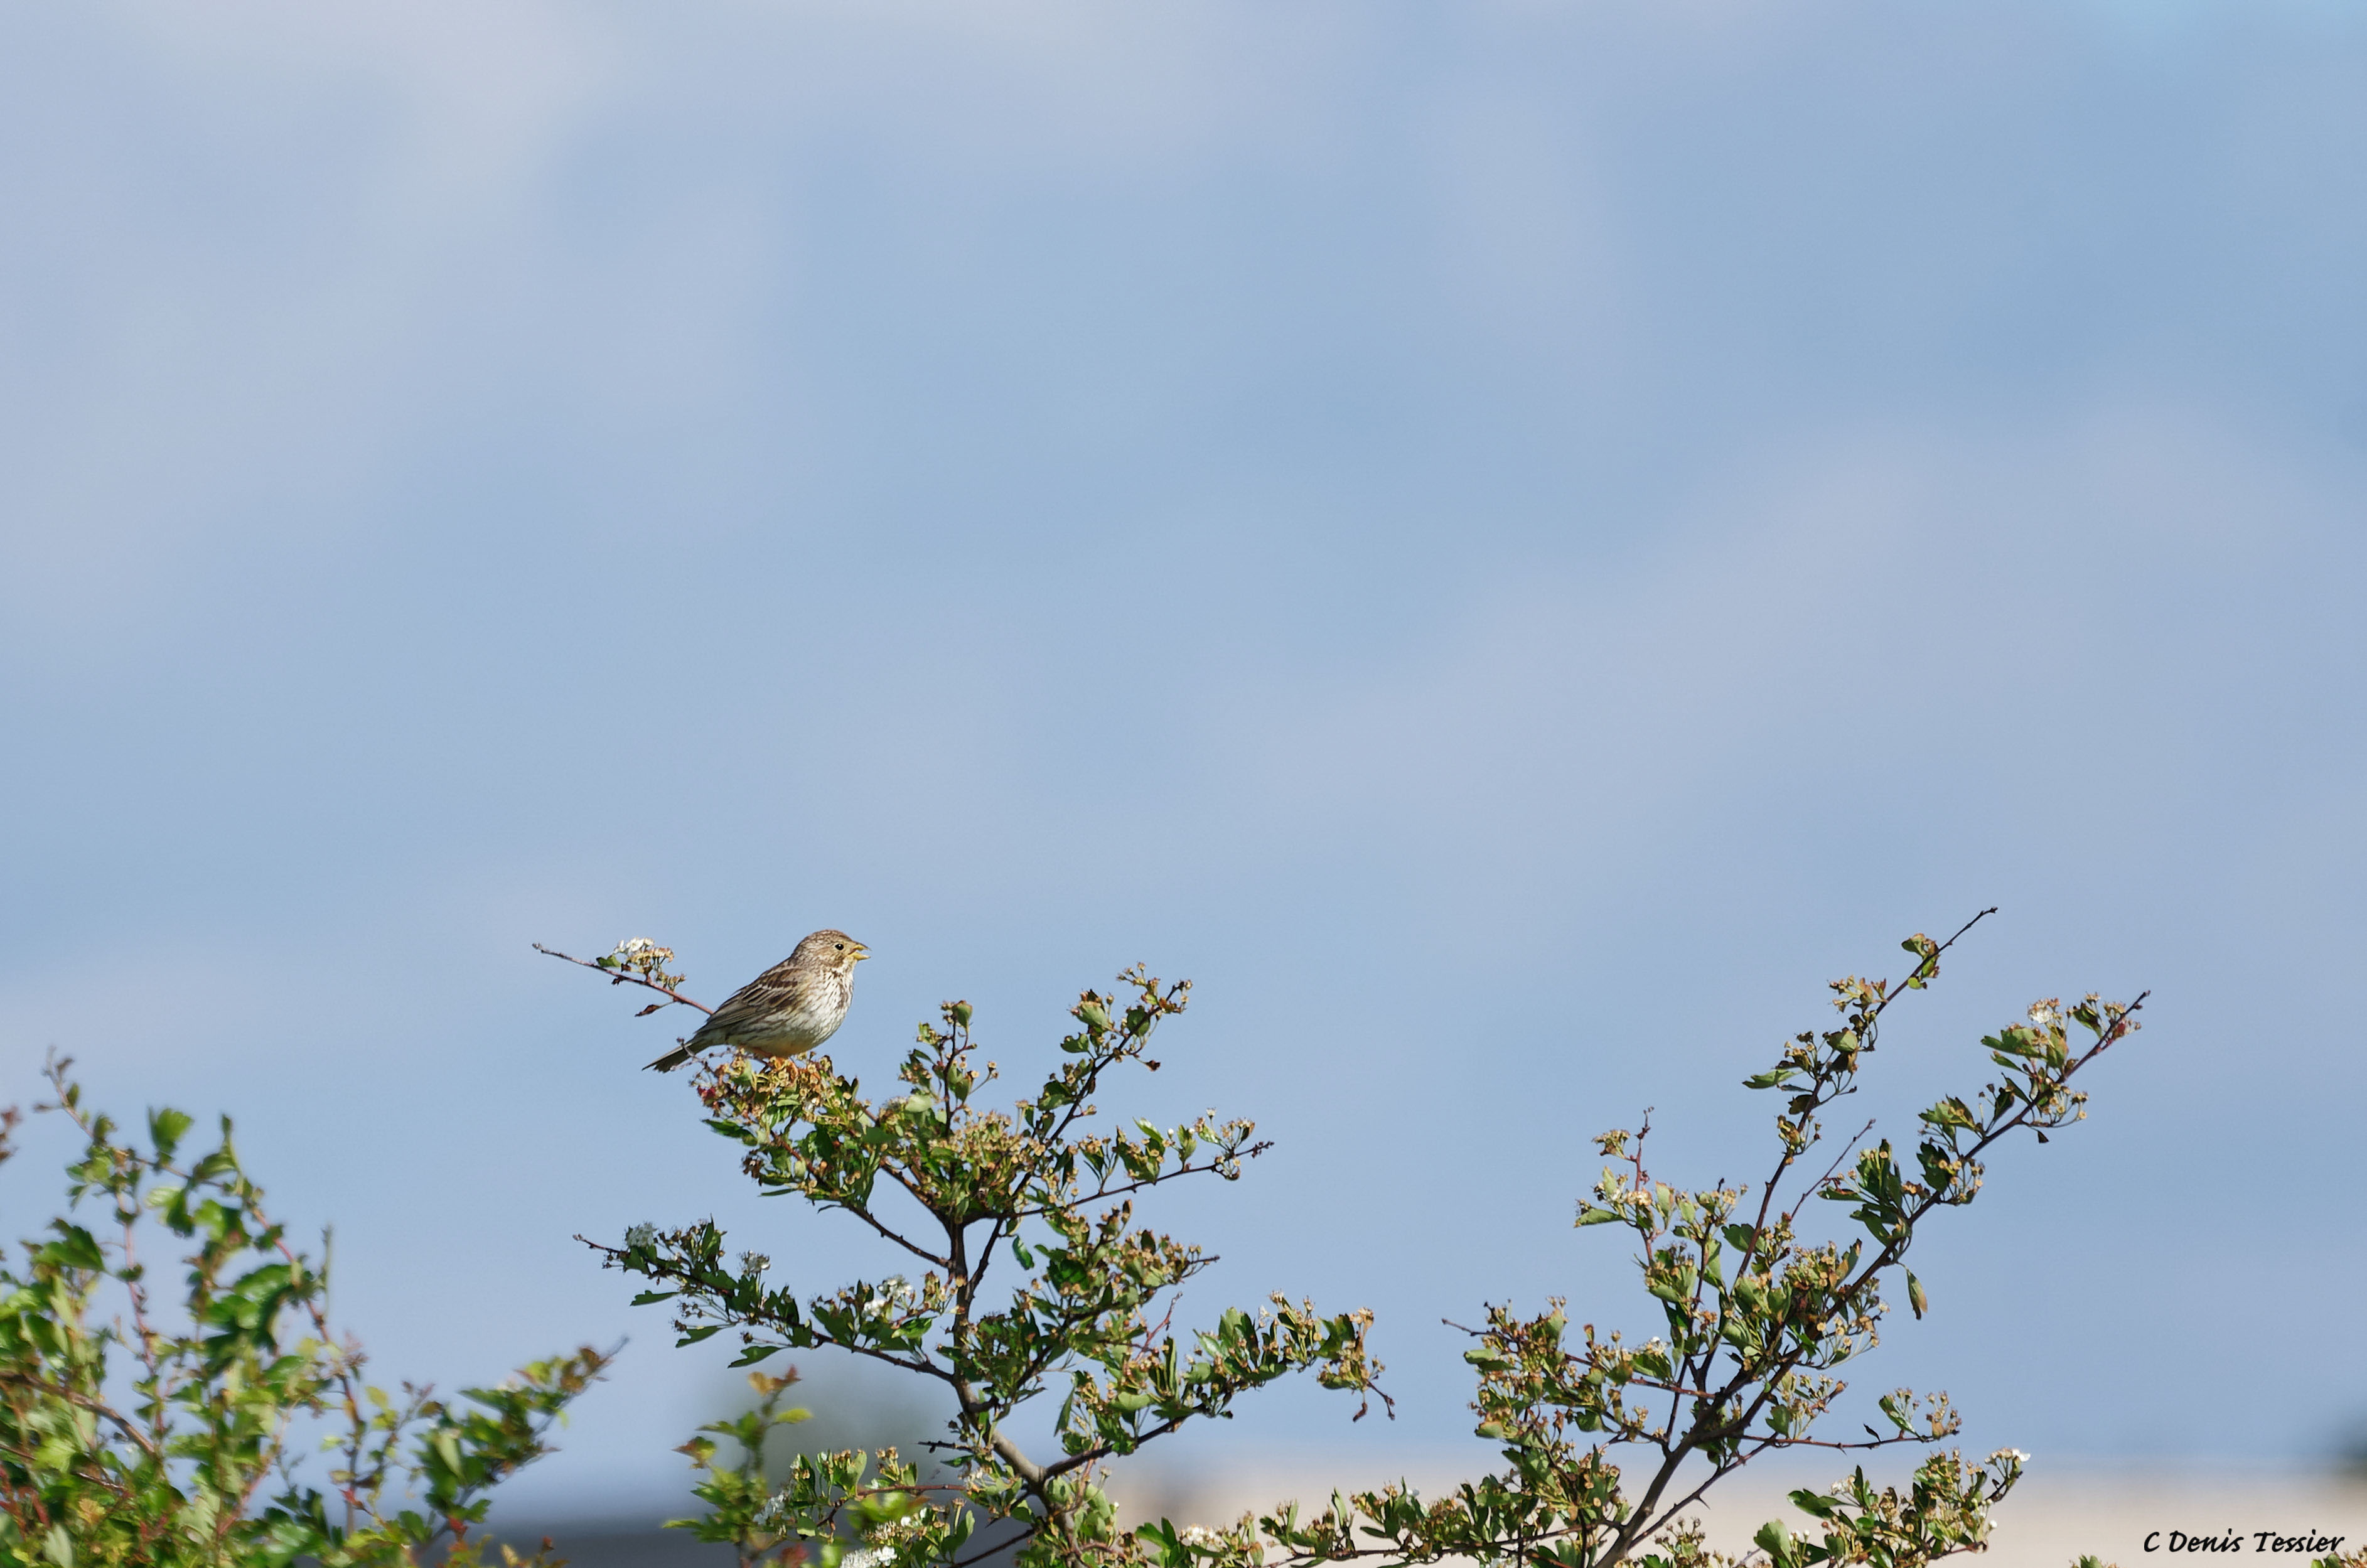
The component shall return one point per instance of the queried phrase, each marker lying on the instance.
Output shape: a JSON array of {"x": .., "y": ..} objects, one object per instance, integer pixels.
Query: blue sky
[{"x": 1508, "y": 542}]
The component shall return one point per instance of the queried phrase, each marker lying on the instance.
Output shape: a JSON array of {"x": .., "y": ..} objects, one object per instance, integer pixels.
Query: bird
[{"x": 785, "y": 1011}]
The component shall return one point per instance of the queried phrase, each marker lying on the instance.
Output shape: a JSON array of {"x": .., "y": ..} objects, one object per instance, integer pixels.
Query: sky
[{"x": 1510, "y": 543}]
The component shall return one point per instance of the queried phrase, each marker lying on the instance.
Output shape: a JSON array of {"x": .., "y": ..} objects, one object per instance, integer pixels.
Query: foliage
[
  {"x": 879, "y": 1495},
  {"x": 171, "y": 1437},
  {"x": 1034, "y": 1192},
  {"x": 738, "y": 1499},
  {"x": 1756, "y": 1314}
]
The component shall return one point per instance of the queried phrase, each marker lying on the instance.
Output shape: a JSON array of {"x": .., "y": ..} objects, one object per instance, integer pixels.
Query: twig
[
  {"x": 1792, "y": 1214},
  {"x": 864, "y": 1214},
  {"x": 625, "y": 977},
  {"x": 97, "y": 1407},
  {"x": 1248, "y": 1151},
  {"x": 1927, "y": 965}
]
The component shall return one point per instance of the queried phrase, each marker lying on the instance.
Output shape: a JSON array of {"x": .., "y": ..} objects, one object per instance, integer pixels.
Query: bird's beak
[{"x": 861, "y": 953}]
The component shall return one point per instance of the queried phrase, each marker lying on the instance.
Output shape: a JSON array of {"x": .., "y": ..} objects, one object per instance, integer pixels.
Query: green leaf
[
  {"x": 74, "y": 1248},
  {"x": 164, "y": 1130}
]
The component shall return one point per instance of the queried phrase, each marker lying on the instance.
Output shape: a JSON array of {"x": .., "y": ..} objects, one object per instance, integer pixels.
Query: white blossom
[
  {"x": 889, "y": 1534},
  {"x": 641, "y": 1236}
]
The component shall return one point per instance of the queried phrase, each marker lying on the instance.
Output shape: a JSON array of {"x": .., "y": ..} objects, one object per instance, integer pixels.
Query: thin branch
[
  {"x": 1032, "y": 1527},
  {"x": 1721, "y": 1472},
  {"x": 1092, "y": 1455},
  {"x": 1716, "y": 1474},
  {"x": 1890, "y": 1254},
  {"x": 1811, "y": 1190},
  {"x": 625, "y": 977},
  {"x": 926, "y": 1368},
  {"x": 1930, "y": 961},
  {"x": 97, "y": 1407},
  {"x": 1250, "y": 1153},
  {"x": 1767, "y": 1193},
  {"x": 995, "y": 1235},
  {"x": 1926, "y": 1438},
  {"x": 864, "y": 1214}
]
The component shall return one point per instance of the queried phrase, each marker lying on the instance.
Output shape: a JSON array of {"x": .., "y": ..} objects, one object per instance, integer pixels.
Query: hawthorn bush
[
  {"x": 1020, "y": 1278},
  {"x": 1023, "y": 1275},
  {"x": 139, "y": 1430}
]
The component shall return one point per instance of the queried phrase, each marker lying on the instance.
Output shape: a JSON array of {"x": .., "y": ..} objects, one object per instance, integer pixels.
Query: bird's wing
[{"x": 766, "y": 995}]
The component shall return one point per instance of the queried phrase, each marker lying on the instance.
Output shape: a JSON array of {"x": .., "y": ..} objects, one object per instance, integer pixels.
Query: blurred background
[{"x": 1508, "y": 542}]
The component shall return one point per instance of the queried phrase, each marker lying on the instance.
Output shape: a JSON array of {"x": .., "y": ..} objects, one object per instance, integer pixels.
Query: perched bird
[{"x": 785, "y": 1011}]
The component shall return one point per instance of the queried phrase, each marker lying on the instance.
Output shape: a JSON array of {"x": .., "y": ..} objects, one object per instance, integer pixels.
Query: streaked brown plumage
[{"x": 785, "y": 1011}]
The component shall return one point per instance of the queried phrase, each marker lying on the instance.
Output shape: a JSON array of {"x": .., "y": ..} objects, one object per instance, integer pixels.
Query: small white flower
[
  {"x": 641, "y": 1236},
  {"x": 1200, "y": 1535},
  {"x": 889, "y": 1534},
  {"x": 2044, "y": 1015},
  {"x": 641, "y": 953},
  {"x": 863, "y": 1557}
]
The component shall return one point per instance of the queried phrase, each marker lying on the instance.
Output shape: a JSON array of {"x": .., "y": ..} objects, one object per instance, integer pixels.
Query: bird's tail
[{"x": 672, "y": 1058}]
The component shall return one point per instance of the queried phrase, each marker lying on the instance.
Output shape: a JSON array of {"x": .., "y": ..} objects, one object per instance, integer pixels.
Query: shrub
[
  {"x": 1757, "y": 1312},
  {"x": 139, "y": 1431}
]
